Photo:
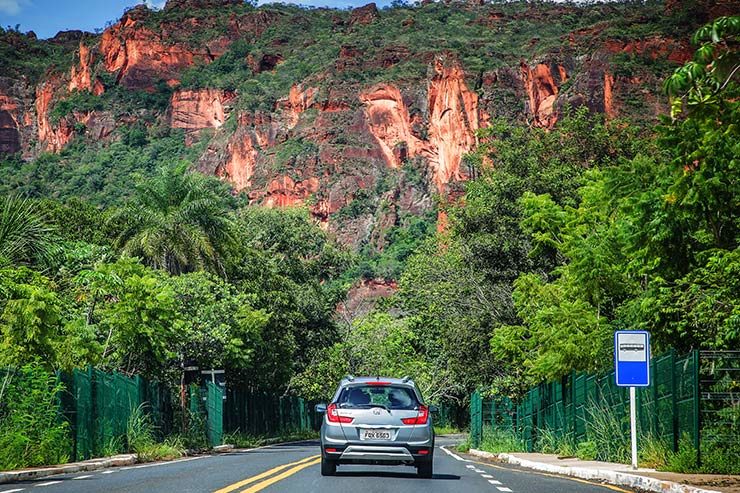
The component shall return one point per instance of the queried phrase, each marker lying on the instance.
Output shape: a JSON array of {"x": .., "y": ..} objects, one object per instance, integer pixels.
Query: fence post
[
  {"x": 697, "y": 406},
  {"x": 674, "y": 401},
  {"x": 574, "y": 409},
  {"x": 476, "y": 421}
]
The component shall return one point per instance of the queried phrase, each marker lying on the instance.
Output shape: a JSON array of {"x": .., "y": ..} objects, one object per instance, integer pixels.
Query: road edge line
[{"x": 611, "y": 477}]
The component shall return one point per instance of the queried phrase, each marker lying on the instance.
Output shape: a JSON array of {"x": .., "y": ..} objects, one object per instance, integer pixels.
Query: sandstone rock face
[
  {"x": 141, "y": 57},
  {"x": 199, "y": 109},
  {"x": 675, "y": 51},
  {"x": 542, "y": 91},
  {"x": 452, "y": 118},
  {"x": 11, "y": 117},
  {"x": 286, "y": 192},
  {"x": 453, "y": 121},
  {"x": 364, "y": 15},
  {"x": 52, "y": 137},
  {"x": 80, "y": 77}
]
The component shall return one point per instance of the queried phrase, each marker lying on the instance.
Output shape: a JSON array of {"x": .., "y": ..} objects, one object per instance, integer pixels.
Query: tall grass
[
  {"x": 32, "y": 432},
  {"x": 142, "y": 440},
  {"x": 501, "y": 441},
  {"x": 604, "y": 428}
]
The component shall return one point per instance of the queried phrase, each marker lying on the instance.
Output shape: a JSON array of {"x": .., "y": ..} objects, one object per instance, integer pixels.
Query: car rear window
[{"x": 390, "y": 396}]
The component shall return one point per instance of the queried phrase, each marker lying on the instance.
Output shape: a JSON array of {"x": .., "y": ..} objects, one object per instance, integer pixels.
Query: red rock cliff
[{"x": 451, "y": 122}]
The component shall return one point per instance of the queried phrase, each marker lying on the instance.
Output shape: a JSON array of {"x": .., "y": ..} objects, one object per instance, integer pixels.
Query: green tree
[
  {"x": 178, "y": 221},
  {"x": 25, "y": 236},
  {"x": 133, "y": 311},
  {"x": 30, "y": 318}
]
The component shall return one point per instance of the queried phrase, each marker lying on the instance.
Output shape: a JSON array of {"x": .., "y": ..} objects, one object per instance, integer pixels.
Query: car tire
[
  {"x": 328, "y": 467},
  {"x": 425, "y": 469}
]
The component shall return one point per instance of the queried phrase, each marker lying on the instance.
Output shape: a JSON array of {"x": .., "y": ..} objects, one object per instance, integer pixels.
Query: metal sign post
[{"x": 632, "y": 369}]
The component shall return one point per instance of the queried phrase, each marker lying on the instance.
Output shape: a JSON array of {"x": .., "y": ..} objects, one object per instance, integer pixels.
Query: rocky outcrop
[
  {"x": 453, "y": 121},
  {"x": 140, "y": 57},
  {"x": 53, "y": 138},
  {"x": 390, "y": 123},
  {"x": 366, "y": 14},
  {"x": 298, "y": 101},
  {"x": 654, "y": 47},
  {"x": 284, "y": 191},
  {"x": 80, "y": 77},
  {"x": 199, "y": 108},
  {"x": 450, "y": 124},
  {"x": 541, "y": 86},
  {"x": 11, "y": 116}
]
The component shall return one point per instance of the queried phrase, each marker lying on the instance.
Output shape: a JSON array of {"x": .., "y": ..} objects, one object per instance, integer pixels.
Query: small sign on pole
[{"x": 632, "y": 369}]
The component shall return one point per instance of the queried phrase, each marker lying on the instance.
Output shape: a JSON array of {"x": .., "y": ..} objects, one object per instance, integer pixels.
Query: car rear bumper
[{"x": 364, "y": 453}]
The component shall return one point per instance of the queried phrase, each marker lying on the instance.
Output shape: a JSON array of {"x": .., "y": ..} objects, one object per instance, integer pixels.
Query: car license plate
[{"x": 375, "y": 435}]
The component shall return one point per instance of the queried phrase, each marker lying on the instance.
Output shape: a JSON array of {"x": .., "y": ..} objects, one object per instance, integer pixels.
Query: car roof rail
[
  {"x": 349, "y": 378},
  {"x": 406, "y": 379}
]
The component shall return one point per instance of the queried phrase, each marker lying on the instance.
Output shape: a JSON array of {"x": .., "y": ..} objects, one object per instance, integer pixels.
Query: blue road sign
[{"x": 632, "y": 358}]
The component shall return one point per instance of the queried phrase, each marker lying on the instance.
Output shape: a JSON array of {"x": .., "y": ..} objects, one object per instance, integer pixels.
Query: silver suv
[{"x": 376, "y": 420}]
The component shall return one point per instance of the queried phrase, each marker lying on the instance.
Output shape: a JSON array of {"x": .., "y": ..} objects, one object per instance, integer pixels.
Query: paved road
[{"x": 294, "y": 468}]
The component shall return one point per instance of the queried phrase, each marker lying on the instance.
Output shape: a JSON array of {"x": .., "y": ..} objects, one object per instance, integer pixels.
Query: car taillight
[
  {"x": 420, "y": 419},
  {"x": 332, "y": 414}
]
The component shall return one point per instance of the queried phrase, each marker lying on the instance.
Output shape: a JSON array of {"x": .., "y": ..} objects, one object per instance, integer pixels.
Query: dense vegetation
[
  {"x": 115, "y": 254},
  {"x": 180, "y": 273}
]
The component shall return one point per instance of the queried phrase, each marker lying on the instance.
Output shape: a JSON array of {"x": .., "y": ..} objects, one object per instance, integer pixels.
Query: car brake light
[
  {"x": 421, "y": 417},
  {"x": 377, "y": 383},
  {"x": 331, "y": 450},
  {"x": 332, "y": 414},
  {"x": 423, "y": 452}
]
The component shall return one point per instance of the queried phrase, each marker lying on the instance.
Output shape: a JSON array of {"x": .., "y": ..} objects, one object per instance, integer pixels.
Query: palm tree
[
  {"x": 177, "y": 221},
  {"x": 25, "y": 237}
]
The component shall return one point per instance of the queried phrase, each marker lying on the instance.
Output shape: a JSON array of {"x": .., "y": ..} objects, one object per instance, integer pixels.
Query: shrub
[
  {"x": 32, "y": 432},
  {"x": 500, "y": 441},
  {"x": 141, "y": 439}
]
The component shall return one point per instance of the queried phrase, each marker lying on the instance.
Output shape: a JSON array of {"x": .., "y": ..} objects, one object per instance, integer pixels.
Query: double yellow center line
[{"x": 267, "y": 478}]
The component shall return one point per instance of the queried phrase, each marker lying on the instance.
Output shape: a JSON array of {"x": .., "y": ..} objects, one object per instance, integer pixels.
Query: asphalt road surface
[{"x": 295, "y": 468}]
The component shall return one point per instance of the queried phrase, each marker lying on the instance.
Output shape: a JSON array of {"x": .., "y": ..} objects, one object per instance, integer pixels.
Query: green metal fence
[
  {"x": 696, "y": 396},
  {"x": 259, "y": 413},
  {"x": 98, "y": 406},
  {"x": 214, "y": 414}
]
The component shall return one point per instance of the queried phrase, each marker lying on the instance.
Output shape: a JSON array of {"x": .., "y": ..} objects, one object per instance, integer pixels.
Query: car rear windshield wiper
[{"x": 375, "y": 405}]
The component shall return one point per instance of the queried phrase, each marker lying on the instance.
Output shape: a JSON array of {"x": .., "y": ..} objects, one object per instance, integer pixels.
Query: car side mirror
[
  {"x": 433, "y": 409},
  {"x": 320, "y": 408}
]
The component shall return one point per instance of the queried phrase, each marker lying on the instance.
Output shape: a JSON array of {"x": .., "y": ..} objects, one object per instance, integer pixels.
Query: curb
[
  {"x": 90, "y": 465},
  {"x": 606, "y": 475}
]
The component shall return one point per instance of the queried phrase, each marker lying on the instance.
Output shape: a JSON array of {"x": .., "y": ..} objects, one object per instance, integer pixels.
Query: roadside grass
[
  {"x": 141, "y": 439},
  {"x": 500, "y": 441},
  {"x": 447, "y": 430}
]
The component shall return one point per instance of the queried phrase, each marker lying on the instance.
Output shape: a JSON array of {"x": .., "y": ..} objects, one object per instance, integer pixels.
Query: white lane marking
[
  {"x": 48, "y": 483},
  {"x": 487, "y": 476},
  {"x": 164, "y": 463},
  {"x": 12, "y": 491},
  {"x": 479, "y": 471},
  {"x": 470, "y": 467},
  {"x": 108, "y": 472},
  {"x": 453, "y": 454},
  {"x": 493, "y": 481},
  {"x": 502, "y": 488},
  {"x": 83, "y": 477}
]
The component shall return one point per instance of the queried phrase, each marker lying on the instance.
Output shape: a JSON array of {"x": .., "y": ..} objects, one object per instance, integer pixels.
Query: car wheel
[
  {"x": 328, "y": 467},
  {"x": 425, "y": 469}
]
